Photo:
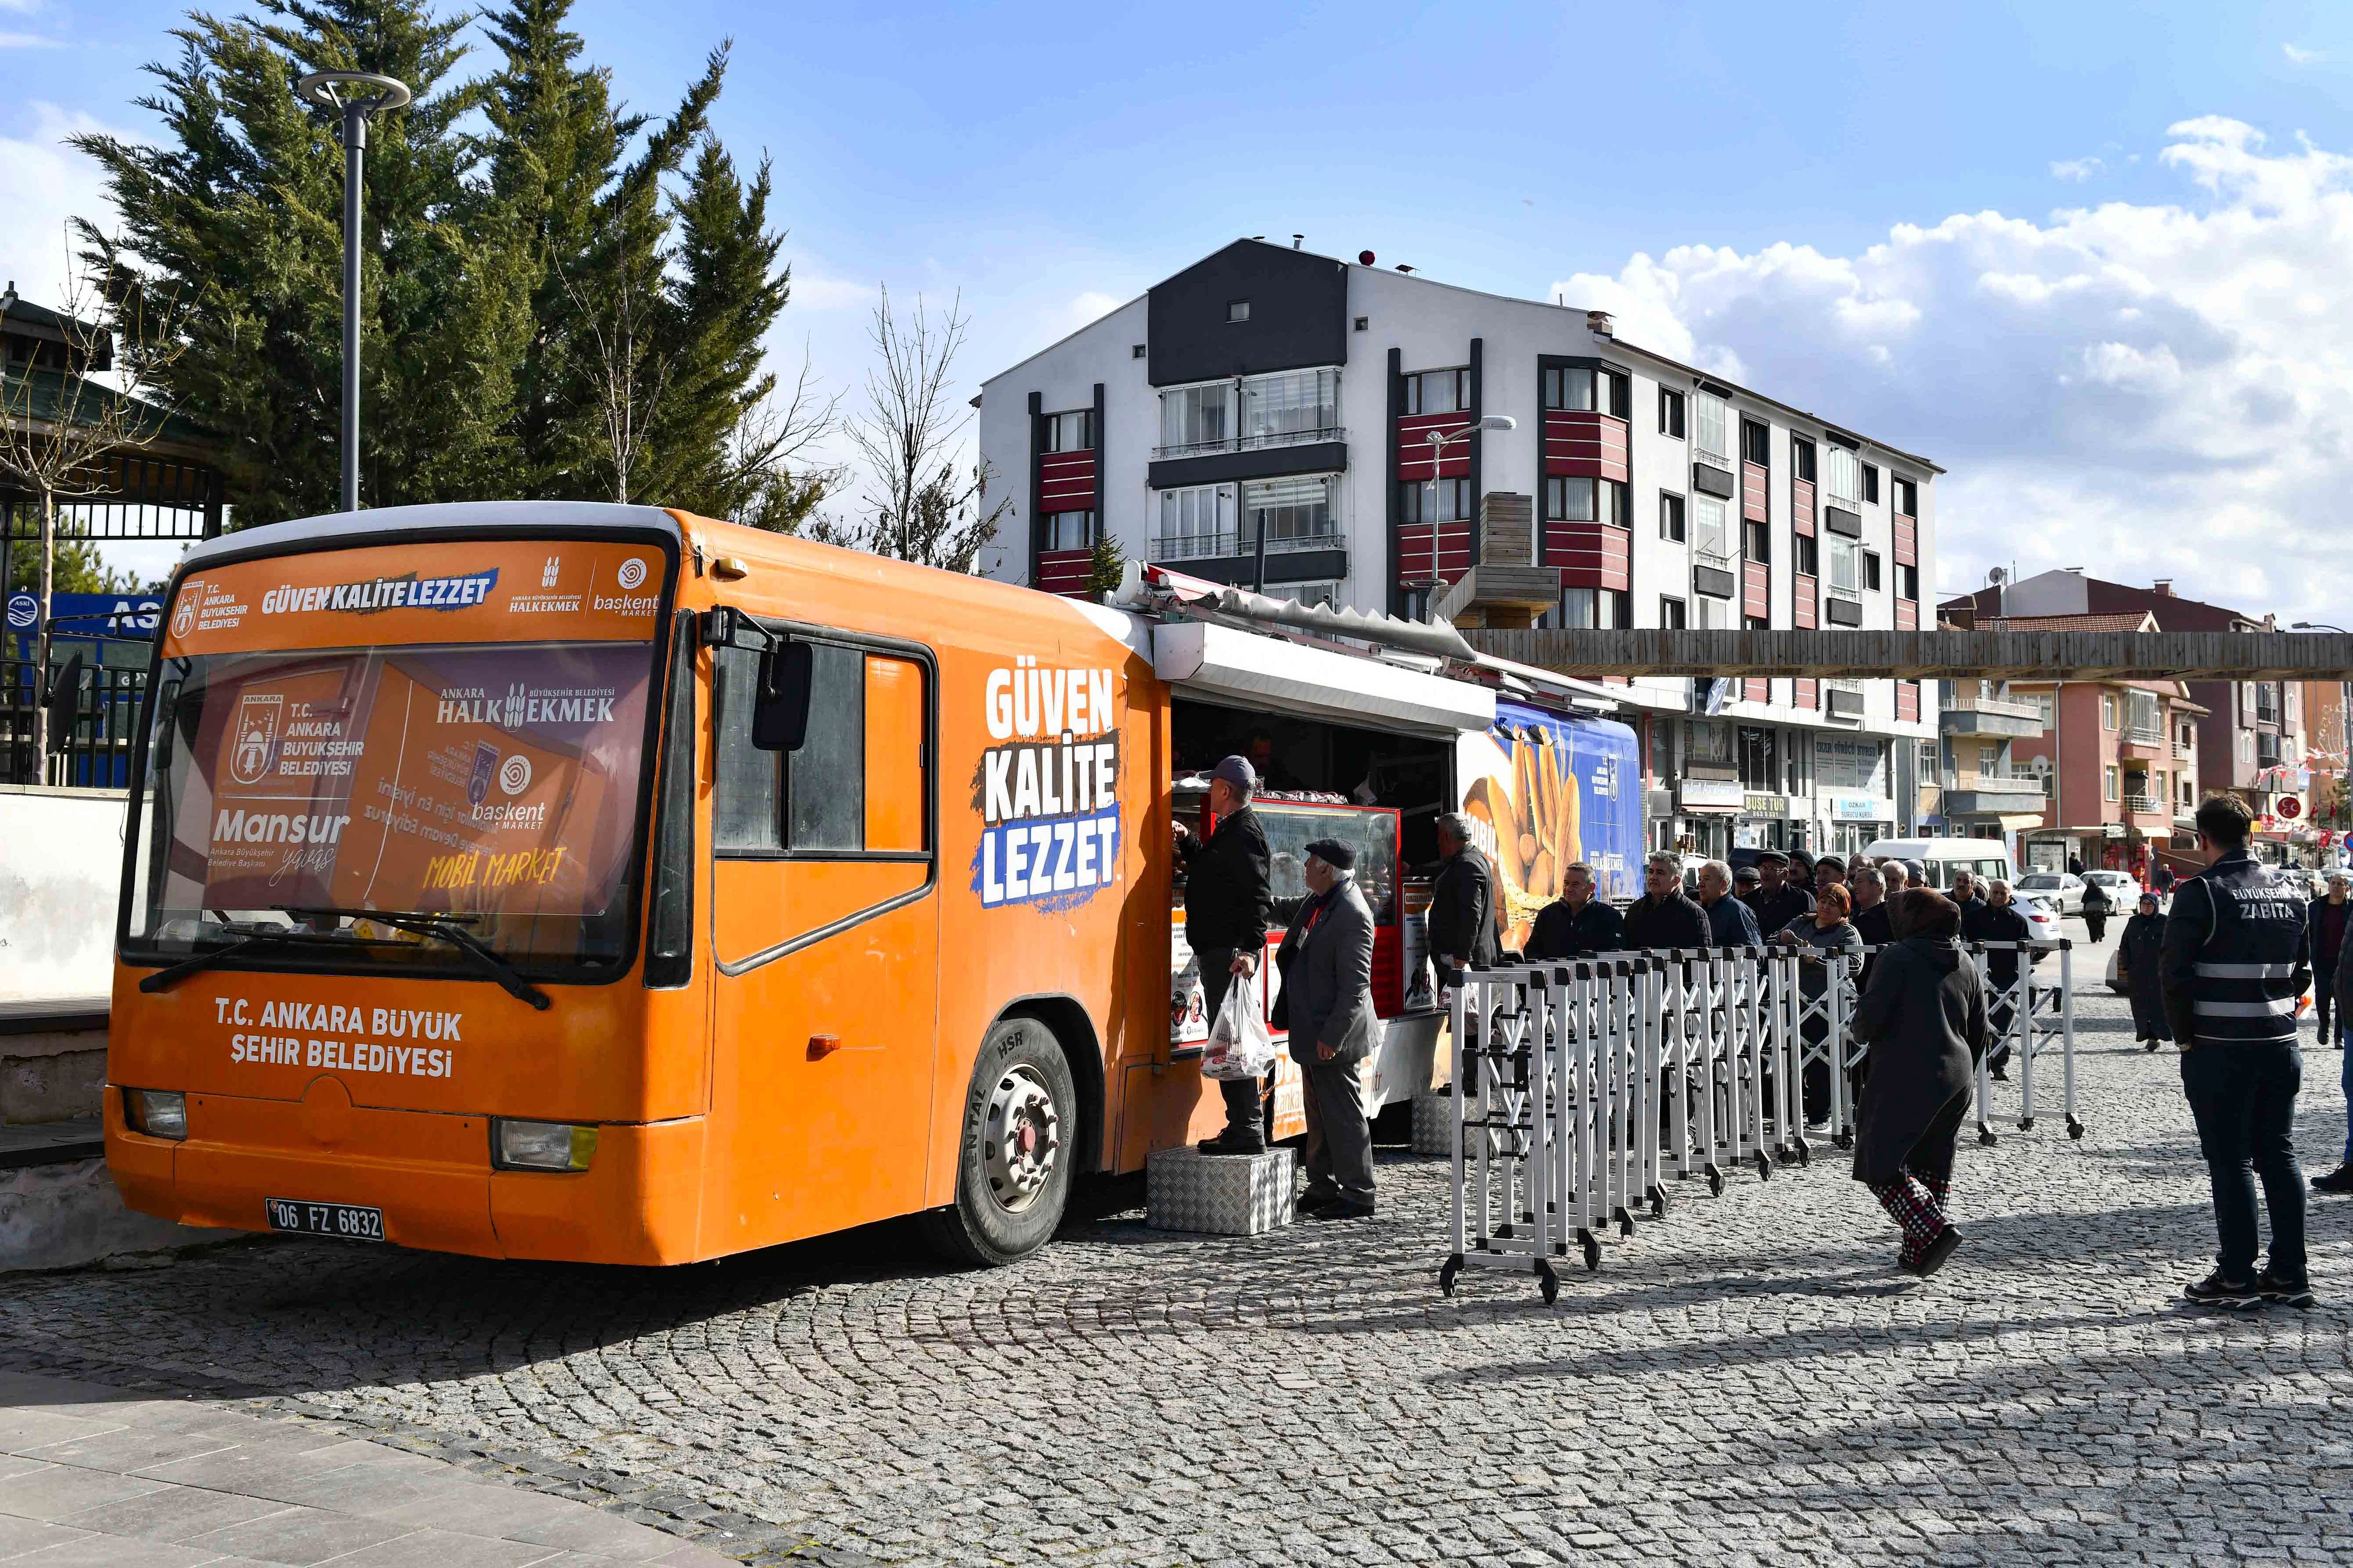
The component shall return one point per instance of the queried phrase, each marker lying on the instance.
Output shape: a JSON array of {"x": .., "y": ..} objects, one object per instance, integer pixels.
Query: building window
[
  {"x": 1296, "y": 406},
  {"x": 1756, "y": 443},
  {"x": 1709, "y": 435},
  {"x": 1808, "y": 561},
  {"x": 1294, "y": 514},
  {"x": 1071, "y": 432},
  {"x": 1907, "y": 583},
  {"x": 1197, "y": 418},
  {"x": 1438, "y": 392},
  {"x": 1238, "y": 309},
  {"x": 1670, "y": 413},
  {"x": 1196, "y": 521},
  {"x": 1869, "y": 482},
  {"x": 1671, "y": 614},
  {"x": 1585, "y": 610},
  {"x": 1908, "y": 496},
  {"x": 1708, "y": 536},
  {"x": 1715, "y": 614},
  {"x": 2108, "y": 782},
  {"x": 1801, "y": 458},
  {"x": 1069, "y": 530},
  {"x": 1870, "y": 572},
  {"x": 1844, "y": 479},
  {"x": 1846, "y": 567},
  {"x": 1571, "y": 500},
  {"x": 2107, "y": 710},
  {"x": 2141, "y": 720},
  {"x": 2046, "y": 704},
  {"x": 1670, "y": 517},
  {"x": 1587, "y": 389},
  {"x": 1756, "y": 540},
  {"x": 1453, "y": 501},
  {"x": 1759, "y": 759},
  {"x": 1325, "y": 594}
]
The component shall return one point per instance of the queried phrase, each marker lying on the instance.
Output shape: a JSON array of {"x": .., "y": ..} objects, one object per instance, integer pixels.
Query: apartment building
[
  {"x": 1333, "y": 432},
  {"x": 2249, "y": 736}
]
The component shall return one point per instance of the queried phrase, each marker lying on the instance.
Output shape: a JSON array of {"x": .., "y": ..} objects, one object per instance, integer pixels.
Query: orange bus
[{"x": 603, "y": 883}]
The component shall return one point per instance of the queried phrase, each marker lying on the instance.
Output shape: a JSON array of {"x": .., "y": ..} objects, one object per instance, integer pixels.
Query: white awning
[{"x": 1221, "y": 664}]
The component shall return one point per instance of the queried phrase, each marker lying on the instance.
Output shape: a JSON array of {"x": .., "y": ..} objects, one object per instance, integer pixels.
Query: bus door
[{"x": 825, "y": 933}]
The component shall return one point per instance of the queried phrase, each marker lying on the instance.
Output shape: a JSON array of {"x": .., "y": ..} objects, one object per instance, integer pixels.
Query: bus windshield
[
  {"x": 494, "y": 787},
  {"x": 353, "y": 764}
]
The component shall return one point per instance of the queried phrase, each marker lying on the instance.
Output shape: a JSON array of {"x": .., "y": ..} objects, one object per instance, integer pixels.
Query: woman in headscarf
[
  {"x": 2139, "y": 959},
  {"x": 1923, "y": 1017},
  {"x": 2096, "y": 908}
]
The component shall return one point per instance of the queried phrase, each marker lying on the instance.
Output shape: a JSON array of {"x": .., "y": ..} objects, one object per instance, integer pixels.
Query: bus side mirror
[{"x": 780, "y": 715}]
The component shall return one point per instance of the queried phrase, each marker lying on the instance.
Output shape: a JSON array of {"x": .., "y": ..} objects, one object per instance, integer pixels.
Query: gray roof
[{"x": 361, "y": 528}]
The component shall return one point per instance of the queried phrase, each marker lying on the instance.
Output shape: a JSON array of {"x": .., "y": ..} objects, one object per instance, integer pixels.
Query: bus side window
[
  {"x": 746, "y": 787},
  {"x": 826, "y": 782},
  {"x": 858, "y": 782}
]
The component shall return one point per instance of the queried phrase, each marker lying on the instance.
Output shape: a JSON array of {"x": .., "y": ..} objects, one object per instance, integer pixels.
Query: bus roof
[{"x": 342, "y": 529}]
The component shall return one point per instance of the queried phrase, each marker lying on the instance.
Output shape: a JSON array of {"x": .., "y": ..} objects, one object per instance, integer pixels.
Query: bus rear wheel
[{"x": 1015, "y": 1160}]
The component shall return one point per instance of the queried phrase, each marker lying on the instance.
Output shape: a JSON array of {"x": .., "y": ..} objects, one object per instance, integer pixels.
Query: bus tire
[{"x": 1019, "y": 1147}]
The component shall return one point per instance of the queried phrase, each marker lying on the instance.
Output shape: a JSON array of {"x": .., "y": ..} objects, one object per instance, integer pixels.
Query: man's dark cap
[
  {"x": 1799, "y": 857},
  {"x": 1773, "y": 854},
  {"x": 1832, "y": 860},
  {"x": 1333, "y": 852},
  {"x": 1747, "y": 874}
]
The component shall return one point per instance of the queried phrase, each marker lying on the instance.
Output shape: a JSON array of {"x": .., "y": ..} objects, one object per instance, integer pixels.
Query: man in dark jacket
[
  {"x": 2340, "y": 1180},
  {"x": 1461, "y": 902},
  {"x": 1997, "y": 919},
  {"x": 1778, "y": 899},
  {"x": 1874, "y": 914},
  {"x": 1665, "y": 916},
  {"x": 2236, "y": 959},
  {"x": 1730, "y": 922},
  {"x": 1577, "y": 922},
  {"x": 1227, "y": 896},
  {"x": 1326, "y": 959},
  {"x": 2325, "y": 923}
]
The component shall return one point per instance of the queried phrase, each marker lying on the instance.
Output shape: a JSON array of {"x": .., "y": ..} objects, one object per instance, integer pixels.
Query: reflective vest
[{"x": 2252, "y": 967}]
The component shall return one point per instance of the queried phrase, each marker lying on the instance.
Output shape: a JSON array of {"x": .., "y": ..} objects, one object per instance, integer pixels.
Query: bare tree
[
  {"x": 923, "y": 504},
  {"x": 58, "y": 426},
  {"x": 630, "y": 372},
  {"x": 772, "y": 468}
]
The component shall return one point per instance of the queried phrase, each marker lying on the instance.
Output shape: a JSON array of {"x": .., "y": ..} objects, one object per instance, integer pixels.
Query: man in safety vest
[{"x": 2237, "y": 958}]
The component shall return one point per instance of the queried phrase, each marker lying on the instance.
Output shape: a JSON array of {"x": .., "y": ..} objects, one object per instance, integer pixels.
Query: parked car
[
  {"x": 2041, "y": 916},
  {"x": 2064, "y": 889}
]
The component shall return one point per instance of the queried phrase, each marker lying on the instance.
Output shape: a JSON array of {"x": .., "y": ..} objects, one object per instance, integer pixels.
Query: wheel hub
[{"x": 1022, "y": 1138}]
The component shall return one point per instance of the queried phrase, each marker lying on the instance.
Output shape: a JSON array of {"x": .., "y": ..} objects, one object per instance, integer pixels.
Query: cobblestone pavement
[{"x": 1748, "y": 1379}]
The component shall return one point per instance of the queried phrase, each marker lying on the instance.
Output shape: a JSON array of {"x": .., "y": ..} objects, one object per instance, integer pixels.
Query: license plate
[{"x": 350, "y": 1222}]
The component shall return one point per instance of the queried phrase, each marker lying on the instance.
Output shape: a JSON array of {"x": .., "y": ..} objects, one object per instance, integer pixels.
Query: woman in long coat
[
  {"x": 2140, "y": 956},
  {"x": 1923, "y": 1017},
  {"x": 2097, "y": 906}
]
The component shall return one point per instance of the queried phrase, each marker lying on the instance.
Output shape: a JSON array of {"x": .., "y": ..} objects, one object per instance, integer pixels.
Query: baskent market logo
[
  {"x": 370, "y": 595},
  {"x": 632, "y": 574},
  {"x": 1049, "y": 797}
]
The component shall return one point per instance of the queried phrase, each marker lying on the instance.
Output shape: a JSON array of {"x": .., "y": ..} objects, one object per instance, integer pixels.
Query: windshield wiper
[
  {"x": 246, "y": 936},
  {"x": 444, "y": 926}
]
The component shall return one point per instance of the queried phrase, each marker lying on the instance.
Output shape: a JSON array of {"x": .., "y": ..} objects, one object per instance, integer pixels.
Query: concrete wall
[
  {"x": 60, "y": 877},
  {"x": 68, "y": 1215}
]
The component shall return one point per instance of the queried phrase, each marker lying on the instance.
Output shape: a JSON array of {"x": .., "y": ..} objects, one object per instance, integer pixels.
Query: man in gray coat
[{"x": 1326, "y": 960}]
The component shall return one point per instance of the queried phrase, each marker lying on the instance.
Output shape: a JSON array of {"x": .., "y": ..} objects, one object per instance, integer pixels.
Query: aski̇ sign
[
  {"x": 1048, "y": 796},
  {"x": 409, "y": 1042}
]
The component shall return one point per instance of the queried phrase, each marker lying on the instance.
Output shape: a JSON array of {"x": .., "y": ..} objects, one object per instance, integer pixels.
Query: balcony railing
[
  {"x": 2145, "y": 735},
  {"x": 1707, "y": 555},
  {"x": 2183, "y": 750},
  {"x": 2147, "y": 805},
  {"x": 1252, "y": 443},
  {"x": 1207, "y": 546}
]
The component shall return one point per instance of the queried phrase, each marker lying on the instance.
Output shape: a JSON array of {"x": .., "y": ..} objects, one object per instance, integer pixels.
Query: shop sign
[
  {"x": 1717, "y": 794},
  {"x": 1859, "y": 808},
  {"x": 1773, "y": 805}
]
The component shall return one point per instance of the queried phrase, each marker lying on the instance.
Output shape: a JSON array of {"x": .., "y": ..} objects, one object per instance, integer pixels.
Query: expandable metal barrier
[{"x": 1579, "y": 1085}]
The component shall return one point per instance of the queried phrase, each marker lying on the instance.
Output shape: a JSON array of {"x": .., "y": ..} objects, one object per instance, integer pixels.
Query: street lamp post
[
  {"x": 1439, "y": 441},
  {"x": 358, "y": 97}
]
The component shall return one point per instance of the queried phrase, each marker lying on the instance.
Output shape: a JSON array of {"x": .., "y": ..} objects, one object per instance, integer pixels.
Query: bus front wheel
[{"x": 1014, "y": 1162}]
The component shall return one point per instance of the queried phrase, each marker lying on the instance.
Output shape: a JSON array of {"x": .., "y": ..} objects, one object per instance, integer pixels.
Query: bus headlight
[
  {"x": 540, "y": 1145},
  {"x": 157, "y": 1113}
]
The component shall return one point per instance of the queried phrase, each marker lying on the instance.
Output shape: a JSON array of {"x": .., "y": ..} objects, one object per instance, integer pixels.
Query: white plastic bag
[{"x": 1240, "y": 1045}]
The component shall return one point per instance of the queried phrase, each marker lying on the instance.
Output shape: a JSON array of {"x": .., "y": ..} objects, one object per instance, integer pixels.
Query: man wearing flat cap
[
  {"x": 1326, "y": 960},
  {"x": 1778, "y": 901},
  {"x": 1227, "y": 896}
]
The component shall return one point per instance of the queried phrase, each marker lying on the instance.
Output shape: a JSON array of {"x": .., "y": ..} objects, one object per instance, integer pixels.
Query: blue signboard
[
  {"x": 133, "y": 617},
  {"x": 24, "y": 613}
]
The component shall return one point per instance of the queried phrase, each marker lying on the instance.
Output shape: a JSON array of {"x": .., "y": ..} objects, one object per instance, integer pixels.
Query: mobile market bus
[{"x": 603, "y": 883}]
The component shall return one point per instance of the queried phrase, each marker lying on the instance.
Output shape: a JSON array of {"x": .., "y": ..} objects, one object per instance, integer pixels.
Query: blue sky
[{"x": 1735, "y": 180}]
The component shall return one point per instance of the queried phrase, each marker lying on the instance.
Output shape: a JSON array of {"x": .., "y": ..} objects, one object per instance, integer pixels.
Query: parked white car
[
  {"x": 2041, "y": 918},
  {"x": 2124, "y": 893},
  {"x": 2064, "y": 889}
]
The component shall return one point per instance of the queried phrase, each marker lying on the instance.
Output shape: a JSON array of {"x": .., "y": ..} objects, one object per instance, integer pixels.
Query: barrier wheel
[
  {"x": 1503, "y": 1230},
  {"x": 1658, "y": 1202},
  {"x": 1714, "y": 1182},
  {"x": 1764, "y": 1166},
  {"x": 1592, "y": 1251},
  {"x": 2075, "y": 1128},
  {"x": 1805, "y": 1152},
  {"x": 1547, "y": 1281},
  {"x": 1446, "y": 1274},
  {"x": 2026, "y": 1124},
  {"x": 1843, "y": 1141},
  {"x": 1986, "y": 1137},
  {"x": 1625, "y": 1222}
]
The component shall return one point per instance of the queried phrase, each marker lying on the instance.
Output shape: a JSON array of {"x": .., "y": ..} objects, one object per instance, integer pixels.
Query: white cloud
[
  {"x": 1090, "y": 306},
  {"x": 815, "y": 293},
  {"x": 47, "y": 182},
  {"x": 2296, "y": 57},
  {"x": 2076, "y": 170},
  {"x": 29, "y": 41},
  {"x": 2147, "y": 390}
]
